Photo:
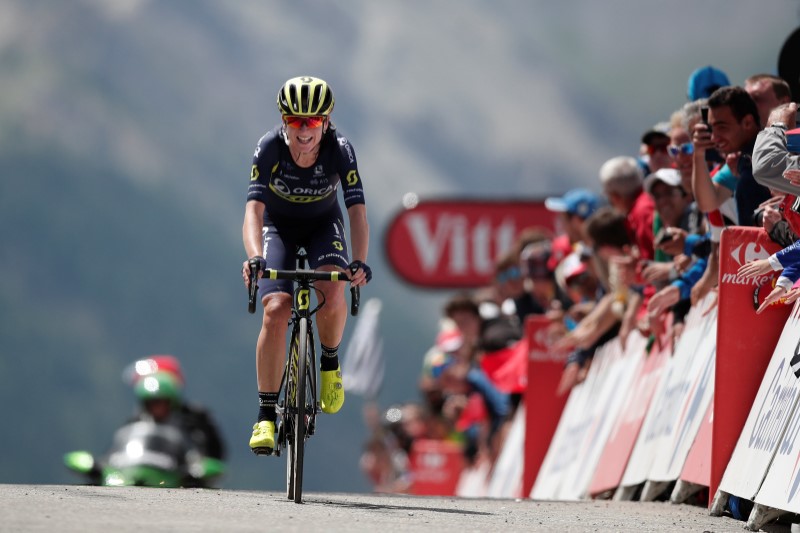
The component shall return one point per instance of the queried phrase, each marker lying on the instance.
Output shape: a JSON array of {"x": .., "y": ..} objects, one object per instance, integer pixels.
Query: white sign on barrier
[
  {"x": 506, "y": 481},
  {"x": 572, "y": 457},
  {"x": 692, "y": 406},
  {"x": 562, "y": 451},
  {"x": 764, "y": 439},
  {"x": 664, "y": 416},
  {"x": 608, "y": 409}
]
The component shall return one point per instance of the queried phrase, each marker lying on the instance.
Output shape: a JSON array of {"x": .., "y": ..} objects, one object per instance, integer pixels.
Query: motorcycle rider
[{"x": 193, "y": 419}]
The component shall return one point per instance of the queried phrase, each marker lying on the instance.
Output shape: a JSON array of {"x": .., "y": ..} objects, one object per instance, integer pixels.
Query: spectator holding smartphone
[{"x": 731, "y": 128}]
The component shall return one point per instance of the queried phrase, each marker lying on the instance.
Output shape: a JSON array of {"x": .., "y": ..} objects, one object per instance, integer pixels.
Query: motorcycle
[{"x": 149, "y": 454}]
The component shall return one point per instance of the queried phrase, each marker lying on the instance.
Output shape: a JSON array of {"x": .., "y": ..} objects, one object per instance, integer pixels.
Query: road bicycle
[{"x": 298, "y": 402}]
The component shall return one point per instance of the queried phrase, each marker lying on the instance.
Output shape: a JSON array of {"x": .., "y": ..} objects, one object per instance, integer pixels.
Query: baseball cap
[
  {"x": 653, "y": 134},
  {"x": 571, "y": 267},
  {"x": 670, "y": 176},
  {"x": 535, "y": 258},
  {"x": 704, "y": 81},
  {"x": 581, "y": 202}
]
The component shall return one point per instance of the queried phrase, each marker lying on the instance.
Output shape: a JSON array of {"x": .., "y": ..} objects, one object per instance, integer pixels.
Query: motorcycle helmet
[
  {"x": 158, "y": 386},
  {"x": 305, "y": 96},
  {"x": 150, "y": 365}
]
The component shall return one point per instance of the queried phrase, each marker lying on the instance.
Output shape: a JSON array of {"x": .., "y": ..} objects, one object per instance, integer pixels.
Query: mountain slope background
[{"x": 126, "y": 133}]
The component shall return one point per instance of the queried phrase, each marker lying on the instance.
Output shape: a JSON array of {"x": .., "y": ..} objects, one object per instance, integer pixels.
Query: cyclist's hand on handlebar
[
  {"x": 254, "y": 262},
  {"x": 359, "y": 273}
]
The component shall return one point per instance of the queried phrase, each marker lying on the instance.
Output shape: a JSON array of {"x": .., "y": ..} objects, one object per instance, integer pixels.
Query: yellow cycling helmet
[{"x": 305, "y": 96}]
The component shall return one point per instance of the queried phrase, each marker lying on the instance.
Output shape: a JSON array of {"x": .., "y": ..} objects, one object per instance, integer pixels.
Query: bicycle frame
[{"x": 298, "y": 403}]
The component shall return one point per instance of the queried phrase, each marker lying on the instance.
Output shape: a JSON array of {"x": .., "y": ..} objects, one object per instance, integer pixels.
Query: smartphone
[
  {"x": 704, "y": 117},
  {"x": 664, "y": 236}
]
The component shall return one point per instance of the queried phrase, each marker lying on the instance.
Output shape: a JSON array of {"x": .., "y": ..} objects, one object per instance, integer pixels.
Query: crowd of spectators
[{"x": 641, "y": 253}]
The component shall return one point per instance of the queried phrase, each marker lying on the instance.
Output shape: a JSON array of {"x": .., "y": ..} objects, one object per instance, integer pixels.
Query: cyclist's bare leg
[
  {"x": 332, "y": 316},
  {"x": 270, "y": 352},
  {"x": 271, "y": 347}
]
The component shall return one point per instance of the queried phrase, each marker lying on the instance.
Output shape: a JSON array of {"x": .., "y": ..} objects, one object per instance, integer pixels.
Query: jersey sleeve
[
  {"x": 725, "y": 177},
  {"x": 789, "y": 255},
  {"x": 264, "y": 160},
  {"x": 352, "y": 187}
]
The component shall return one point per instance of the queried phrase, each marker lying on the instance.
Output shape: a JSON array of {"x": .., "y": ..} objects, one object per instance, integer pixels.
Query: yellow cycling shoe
[
  {"x": 263, "y": 440},
  {"x": 332, "y": 391}
]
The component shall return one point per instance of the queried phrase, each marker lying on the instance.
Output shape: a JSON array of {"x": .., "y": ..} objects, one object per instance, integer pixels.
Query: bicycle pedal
[{"x": 262, "y": 450}]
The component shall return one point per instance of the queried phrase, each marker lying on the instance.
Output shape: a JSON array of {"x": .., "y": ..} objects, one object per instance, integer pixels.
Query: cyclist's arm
[
  {"x": 359, "y": 232},
  {"x": 251, "y": 228}
]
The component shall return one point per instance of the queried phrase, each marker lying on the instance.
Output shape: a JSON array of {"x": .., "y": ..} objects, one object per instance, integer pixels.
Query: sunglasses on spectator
[
  {"x": 685, "y": 149},
  {"x": 299, "y": 122},
  {"x": 509, "y": 274}
]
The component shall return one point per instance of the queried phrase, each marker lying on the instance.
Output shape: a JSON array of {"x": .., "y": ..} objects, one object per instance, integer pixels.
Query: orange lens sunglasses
[{"x": 298, "y": 122}]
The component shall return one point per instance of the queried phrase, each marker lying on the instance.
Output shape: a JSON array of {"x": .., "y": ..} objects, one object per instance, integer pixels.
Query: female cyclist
[{"x": 292, "y": 201}]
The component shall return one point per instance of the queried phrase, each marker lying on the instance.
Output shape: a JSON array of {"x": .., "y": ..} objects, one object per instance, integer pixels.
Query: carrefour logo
[{"x": 744, "y": 253}]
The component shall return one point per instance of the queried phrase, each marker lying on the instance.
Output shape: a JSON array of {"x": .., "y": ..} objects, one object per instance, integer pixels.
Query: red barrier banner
[
  {"x": 455, "y": 243},
  {"x": 435, "y": 466},
  {"x": 745, "y": 341},
  {"x": 544, "y": 406}
]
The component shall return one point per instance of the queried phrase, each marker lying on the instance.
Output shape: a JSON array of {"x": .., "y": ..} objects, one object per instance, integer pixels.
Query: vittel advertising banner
[
  {"x": 455, "y": 243},
  {"x": 770, "y": 432}
]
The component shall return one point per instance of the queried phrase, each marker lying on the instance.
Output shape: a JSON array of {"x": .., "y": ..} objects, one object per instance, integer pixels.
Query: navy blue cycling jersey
[{"x": 288, "y": 190}]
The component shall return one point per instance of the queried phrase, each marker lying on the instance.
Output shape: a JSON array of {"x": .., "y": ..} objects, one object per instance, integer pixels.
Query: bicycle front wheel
[{"x": 297, "y": 447}]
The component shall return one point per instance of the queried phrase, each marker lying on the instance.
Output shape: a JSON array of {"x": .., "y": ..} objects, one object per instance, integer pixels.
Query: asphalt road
[{"x": 87, "y": 509}]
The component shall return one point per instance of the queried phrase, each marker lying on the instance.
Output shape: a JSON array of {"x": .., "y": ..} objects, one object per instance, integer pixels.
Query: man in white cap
[{"x": 673, "y": 208}]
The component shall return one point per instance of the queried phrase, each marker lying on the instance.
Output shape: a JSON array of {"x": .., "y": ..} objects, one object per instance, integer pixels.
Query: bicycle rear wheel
[{"x": 298, "y": 416}]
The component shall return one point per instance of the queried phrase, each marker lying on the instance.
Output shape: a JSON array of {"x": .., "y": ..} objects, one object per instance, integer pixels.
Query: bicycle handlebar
[{"x": 299, "y": 275}]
